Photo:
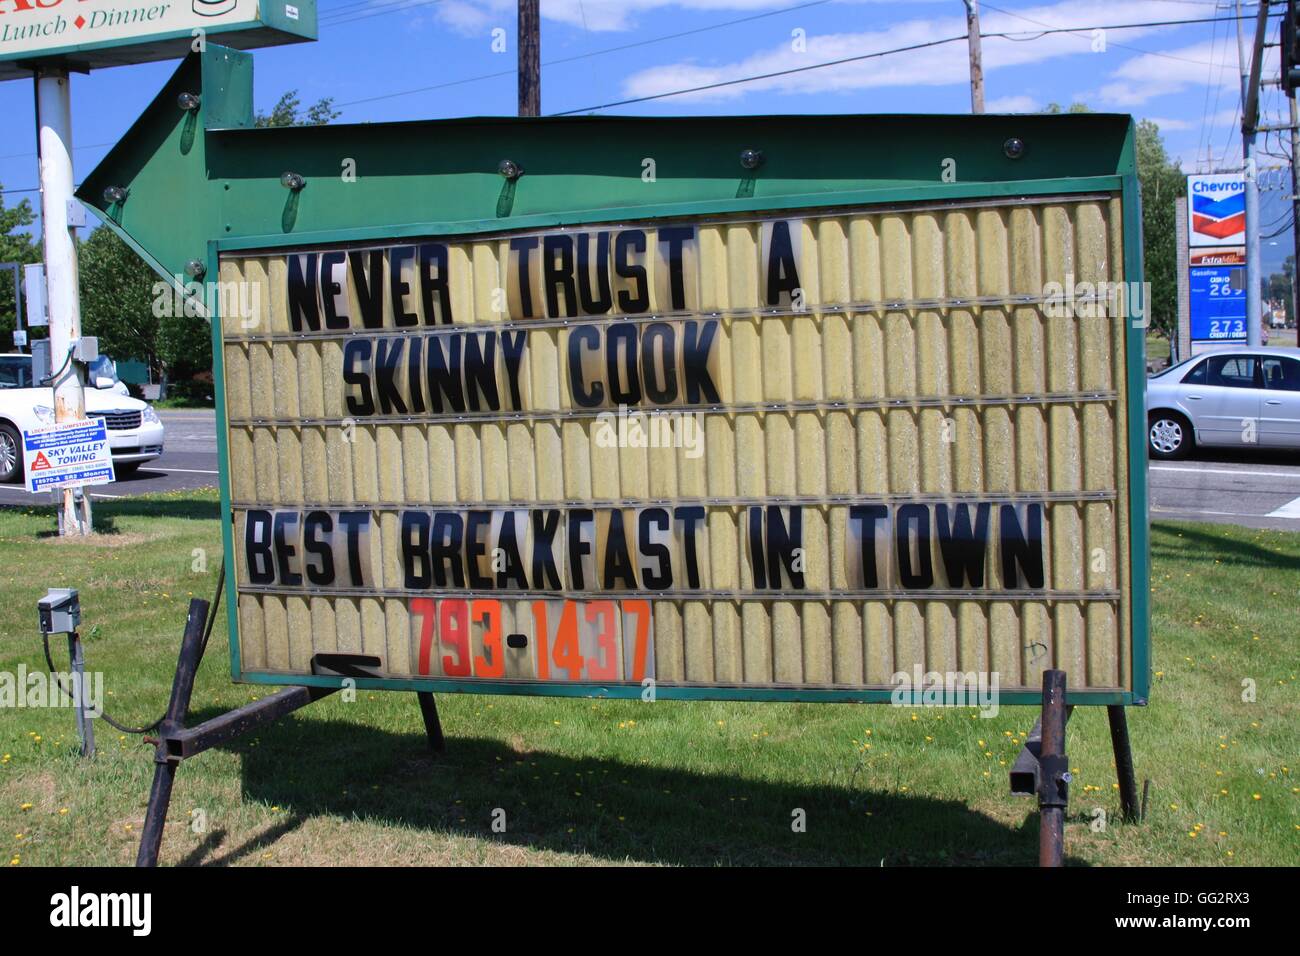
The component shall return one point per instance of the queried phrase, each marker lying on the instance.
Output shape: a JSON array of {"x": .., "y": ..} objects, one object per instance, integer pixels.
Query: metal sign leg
[
  {"x": 164, "y": 774},
  {"x": 432, "y": 725},
  {"x": 81, "y": 695},
  {"x": 1119, "y": 739},
  {"x": 1054, "y": 775}
]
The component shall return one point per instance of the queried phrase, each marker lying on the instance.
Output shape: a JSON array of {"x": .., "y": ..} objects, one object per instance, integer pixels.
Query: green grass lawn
[
  {"x": 594, "y": 781},
  {"x": 1158, "y": 348}
]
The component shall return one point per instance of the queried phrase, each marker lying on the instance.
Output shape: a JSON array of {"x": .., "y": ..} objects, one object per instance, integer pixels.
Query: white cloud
[
  {"x": 1168, "y": 125},
  {"x": 1013, "y": 104},
  {"x": 1150, "y": 75},
  {"x": 933, "y": 66},
  {"x": 474, "y": 17}
]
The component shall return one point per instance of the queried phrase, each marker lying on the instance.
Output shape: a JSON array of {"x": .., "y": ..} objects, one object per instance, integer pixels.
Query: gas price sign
[{"x": 1218, "y": 304}]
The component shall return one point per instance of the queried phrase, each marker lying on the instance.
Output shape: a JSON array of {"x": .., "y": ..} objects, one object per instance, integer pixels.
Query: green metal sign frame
[{"x": 225, "y": 177}]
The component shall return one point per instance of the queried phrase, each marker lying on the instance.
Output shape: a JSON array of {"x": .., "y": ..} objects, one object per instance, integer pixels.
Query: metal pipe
[
  {"x": 1054, "y": 777},
  {"x": 164, "y": 774},
  {"x": 1123, "y": 747},
  {"x": 54, "y": 149},
  {"x": 81, "y": 697},
  {"x": 432, "y": 725}
]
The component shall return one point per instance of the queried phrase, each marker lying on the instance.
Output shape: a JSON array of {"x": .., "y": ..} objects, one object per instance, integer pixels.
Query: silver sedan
[{"x": 1235, "y": 397}]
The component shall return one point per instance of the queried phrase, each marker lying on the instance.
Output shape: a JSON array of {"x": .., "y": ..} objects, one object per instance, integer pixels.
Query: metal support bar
[
  {"x": 1123, "y": 747},
  {"x": 164, "y": 774},
  {"x": 176, "y": 742},
  {"x": 191, "y": 741},
  {"x": 1054, "y": 772},
  {"x": 432, "y": 725},
  {"x": 1024, "y": 772}
]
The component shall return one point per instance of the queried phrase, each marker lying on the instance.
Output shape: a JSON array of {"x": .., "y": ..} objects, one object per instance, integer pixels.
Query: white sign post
[{"x": 54, "y": 149}]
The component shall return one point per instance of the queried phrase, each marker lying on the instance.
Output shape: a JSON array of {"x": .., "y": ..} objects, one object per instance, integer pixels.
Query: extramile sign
[{"x": 752, "y": 434}]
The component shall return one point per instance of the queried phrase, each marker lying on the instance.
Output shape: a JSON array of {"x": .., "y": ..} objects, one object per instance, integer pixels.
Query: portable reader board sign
[{"x": 750, "y": 435}]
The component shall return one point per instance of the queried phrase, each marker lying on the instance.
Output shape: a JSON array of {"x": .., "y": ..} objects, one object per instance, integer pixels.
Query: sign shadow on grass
[{"x": 602, "y": 806}]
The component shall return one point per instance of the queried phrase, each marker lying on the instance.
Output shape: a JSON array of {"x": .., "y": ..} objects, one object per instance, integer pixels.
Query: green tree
[
  {"x": 1278, "y": 287},
  {"x": 1160, "y": 182},
  {"x": 117, "y": 300},
  {"x": 15, "y": 246},
  {"x": 288, "y": 112}
]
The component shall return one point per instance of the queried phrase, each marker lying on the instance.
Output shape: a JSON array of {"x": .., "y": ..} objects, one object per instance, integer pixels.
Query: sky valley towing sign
[{"x": 98, "y": 33}]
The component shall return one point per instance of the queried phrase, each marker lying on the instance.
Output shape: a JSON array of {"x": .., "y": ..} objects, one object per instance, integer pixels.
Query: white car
[
  {"x": 135, "y": 433},
  {"x": 1239, "y": 397}
]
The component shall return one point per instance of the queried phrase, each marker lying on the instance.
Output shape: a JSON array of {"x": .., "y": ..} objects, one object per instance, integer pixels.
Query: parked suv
[
  {"x": 135, "y": 433},
  {"x": 1228, "y": 397}
]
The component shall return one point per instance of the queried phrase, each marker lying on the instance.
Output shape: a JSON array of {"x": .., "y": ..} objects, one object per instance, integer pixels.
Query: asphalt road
[
  {"x": 189, "y": 460},
  {"x": 1257, "y": 489}
]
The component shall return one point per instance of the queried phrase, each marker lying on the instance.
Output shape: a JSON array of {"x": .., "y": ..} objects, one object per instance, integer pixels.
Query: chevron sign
[{"x": 1216, "y": 207}]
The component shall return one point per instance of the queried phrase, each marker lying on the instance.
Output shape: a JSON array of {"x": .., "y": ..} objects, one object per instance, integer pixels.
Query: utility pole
[
  {"x": 976, "y": 63},
  {"x": 530, "y": 58},
  {"x": 1249, "y": 123},
  {"x": 54, "y": 152},
  {"x": 1295, "y": 211}
]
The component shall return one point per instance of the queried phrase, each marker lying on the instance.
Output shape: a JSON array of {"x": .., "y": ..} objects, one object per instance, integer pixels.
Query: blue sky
[{"x": 1183, "y": 76}]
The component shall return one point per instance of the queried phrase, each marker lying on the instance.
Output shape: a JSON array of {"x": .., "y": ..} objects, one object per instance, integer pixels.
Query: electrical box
[
  {"x": 40, "y": 361},
  {"x": 59, "y": 611},
  {"x": 34, "y": 295}
]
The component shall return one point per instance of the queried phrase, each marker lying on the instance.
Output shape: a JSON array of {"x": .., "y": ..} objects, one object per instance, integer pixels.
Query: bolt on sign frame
[{"x": 780, "y": 429}]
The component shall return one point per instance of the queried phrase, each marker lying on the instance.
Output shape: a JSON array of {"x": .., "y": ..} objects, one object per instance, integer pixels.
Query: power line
[
  {"x": 868, "y": 56},
  {"x": 766, "y": 76},
  {"x": 374, "y": 10},
  {"x": 33, "y": 155},
  {"x": 1122, "y": 46},
  {"x": 592, "y": 53}
]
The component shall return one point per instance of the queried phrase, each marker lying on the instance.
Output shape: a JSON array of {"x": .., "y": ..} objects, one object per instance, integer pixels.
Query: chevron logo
[{"x": 1219, "y": 218}]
